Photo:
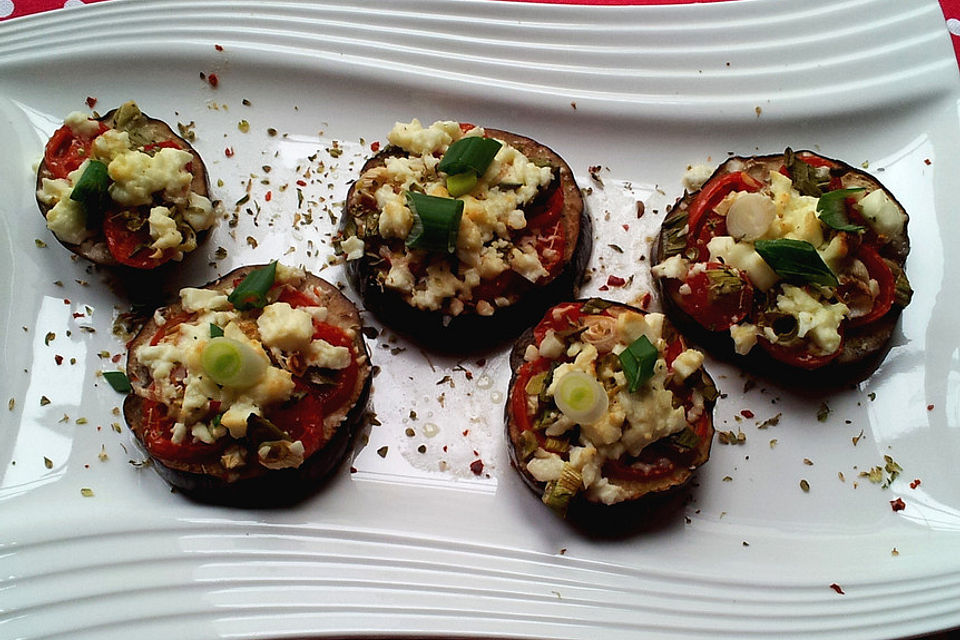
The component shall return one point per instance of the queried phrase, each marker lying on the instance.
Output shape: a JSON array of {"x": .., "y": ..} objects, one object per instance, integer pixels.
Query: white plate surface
[{"x": 416, "y": 543}]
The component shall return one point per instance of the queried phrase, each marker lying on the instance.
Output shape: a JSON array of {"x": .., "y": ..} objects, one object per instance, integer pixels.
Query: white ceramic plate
[{"x": 416, "y": 543}]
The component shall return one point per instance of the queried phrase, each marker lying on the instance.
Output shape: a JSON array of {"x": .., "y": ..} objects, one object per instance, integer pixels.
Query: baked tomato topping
[
  {"x": 704, "y": 223},
  {"x": 128, "y": 239},
  {"x": 716, "y": 296},
  {"x": 66, "y": 151},
  {"x": 158, "y": 438}
]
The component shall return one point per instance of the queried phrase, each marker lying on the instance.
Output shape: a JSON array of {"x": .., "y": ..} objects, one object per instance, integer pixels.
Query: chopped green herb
[
  {"x": 118, "y": 380},
  {"x": 436, "y": 222},
  {"x": 805, "y": 486},
  {"x": 637, "y": 361},
  {"x": 831, "y": 209},
  {"x": 47, "y": 462},
  {"x": 382, "y": 452},
  {"x": 86, "y": 493},
  {"x": 472, "y": 153},
  {"x": 215, "y": 331},
  {"x": 823, "y": 412}
]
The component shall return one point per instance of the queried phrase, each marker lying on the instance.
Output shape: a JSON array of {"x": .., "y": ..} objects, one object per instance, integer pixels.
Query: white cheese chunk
[
  {"x": 882, "y": 214},
  {"x": 420, "y": 140},
  {"x": 818, "y": 319},
  {"x": 686, "y": 363},
  {"x": 675, "y": 266},
  {"x": 631, "y": 325},
  {"x": 545, "y": 466},
  {"x": 743, "y": 256},
  {"x": 284, "y": 327},
  {"x": 82, "y": 125},
  {"x": 163, "y": 229},
  {"x": 137, "y": 176},
  {"x": 744, "y": 337},
  {"x": 196, "y": 299},
  {"x": 322, "y": 354},
  {"x": 650, "y": 414},
  {"x": 352, "y": 248}
]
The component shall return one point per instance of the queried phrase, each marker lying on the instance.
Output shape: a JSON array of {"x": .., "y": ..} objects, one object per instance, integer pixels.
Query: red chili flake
[
  {"x": 603, "y": 288},
  {"x": 836, "y": 588},
  {"x": 86, "y": 466},
  {"x": 468, "y": 375},
  {"x": 116, "y": 358},
  {"x": 353, "y": 469},
  {"x": 78, "y": 314},
  {"x": 466, "y": 431},
  {"x": 58, "y": 359},
  {"x": 444, "y": 448},
  {"x": 645, "y": 300},
  {"x": 228, "y": 152},
  {"x": 929, "y": 407},
  {"x": 213, "y": 80},
  {"x": 301, "y": 183},
  {"x": 746, "y": 413},
  {"x": 481, "y": 362},
  {"x": 898, "y": 504},
  {"x": 268, "y": 196},
  {"x": 626, "y": 227},
  {"x": 915, "y": 483},
  {"x": 375, "y": 146},
  {"x": 66, "y": 301},
  {"x": 927, "y": 162},
  {"x": 218, "y": 47},
  {"x": 477, "y": 467},
  {"x": 91, "y": 102},
  {"x": 615, "y": 281}
]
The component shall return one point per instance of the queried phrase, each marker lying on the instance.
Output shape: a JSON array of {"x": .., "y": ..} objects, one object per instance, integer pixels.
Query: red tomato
[
  {"x": 303, "y": 419},
  {"x": 702, "y": 222},
  {"x": 547, "y": 211},
  {"x": 335, "y": 395},
  {"x": 131, "y": 248},
  {"x": 716, "y": 307},
  {"x": 797, "y": 355},
  {"x": 158, "y": 434},
  {"x": 656, "y": 468},
  {"x": 559, "y": 318},
  {"x": 296, "y": 298},
  {"x": 879, "y": 271},
  {"x": 168, "y": 326},
  {"x": 490, "y": 289},
  {"x": 518, "y": 393},
  {"x": 65, "y": 151}
]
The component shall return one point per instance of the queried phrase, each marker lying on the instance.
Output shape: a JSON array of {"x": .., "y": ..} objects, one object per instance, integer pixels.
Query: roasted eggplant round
[
  {"x": 463, "y": 272},
  {"x": 606, "y": 405},
  {"x": 124, "y": 190},
  {"x": 248, "y": 389},
  {"x": 790, "y": 264}
]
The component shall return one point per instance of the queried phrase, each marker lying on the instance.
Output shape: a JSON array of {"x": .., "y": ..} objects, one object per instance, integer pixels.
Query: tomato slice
[
  {"x": 713, "y": 192},
  {"x": 798, "y": 355},
  {"x": 132, "y": 248},
  {"x": 546, "y": 211},
  {"x": 168, "y": 326},
  {"x": 879, "y": 271},
  {"x": 559, "y": 318},
  {"x": 302, "y": 419},
  {"x": 518, "y": 394},
  {"x": 335, "y": 395},
  {"x": 490, "y": 289},
  {"x": 719, "y": 297},
  {"x": 296, "y": 298},
  {"x": 158, "y": 438},
  {"x": 65, "y": 151}
]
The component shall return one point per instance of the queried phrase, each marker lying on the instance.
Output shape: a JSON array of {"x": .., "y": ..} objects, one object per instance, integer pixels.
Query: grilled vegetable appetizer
[
  {"x": 247, "y": 390},
  {"x": 607, "y": 404},
  {"x": 459, "y": 235},
  {"x": 792, "y": 263},
  {"x": 124, "y": 190}
]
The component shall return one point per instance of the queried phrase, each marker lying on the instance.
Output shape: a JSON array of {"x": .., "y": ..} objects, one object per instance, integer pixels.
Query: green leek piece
[
  {"x": 231, "y": 363},
  {"x": 472, "y": 153},
  {"x": 215, "y": 331},
  {"x": 91, "y": 189},
  {"x": 461, "y": 183},
  {"x": 796, "y": 261},
  {"x": 252, "y": 291},
  {"x": 118, "y": 380},
  {"x": 436, "y": 222},
  {"x": 831, "y": 210},
  {"x": 558, "y": 493},
  {"x": 637, "y": 361},
  {"x": 528, "y": 444}
]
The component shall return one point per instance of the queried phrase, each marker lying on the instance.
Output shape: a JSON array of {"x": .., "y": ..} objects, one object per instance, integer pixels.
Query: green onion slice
[
  {"x": 231, "y": 363},
  {"x": 832, "y": 212},
  {"x": 559, "y": 493},
  {"x": 461, "y": 183},
  {"x": 796, "y": 260},
  {"x": 436, "y": 222},
  {"x": 91, "y": 189},
  {"x": 581, "y": 397},
  {"x": 215, "y": 331},
  {"x": 252, "y": 291},
  {"x": 637, "y": 361},
  {"x": 472, "y": 153},
  {"x": 118, "y": 380}
]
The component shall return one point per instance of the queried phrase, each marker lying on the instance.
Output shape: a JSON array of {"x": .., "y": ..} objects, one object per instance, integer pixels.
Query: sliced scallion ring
[
  {"x": 472, "y": 153},
  {"x": 637, "y": 361},
  {"x": 581, "y": 397},
  {"x": 231, "y": 363},
  {"x": 436, "y": 222},
  {"x": 252, "y": 290}
]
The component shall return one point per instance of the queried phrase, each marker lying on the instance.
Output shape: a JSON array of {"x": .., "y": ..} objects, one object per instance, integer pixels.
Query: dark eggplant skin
[
  {"x": 641, "y": 491},
  {"x": 95, "y": 248},
  {"x": 864, "y": 348},
  {"x": 257, "y": 486},
  {"x": 470, "y": 331}
]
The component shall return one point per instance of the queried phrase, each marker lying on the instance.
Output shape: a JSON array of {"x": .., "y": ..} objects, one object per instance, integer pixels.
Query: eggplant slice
[
  {"x": 864, "y": 344},
  {"x": 214, "y": 476},
  {"x": 520, "y": 304},
  {"x": 632, "y": 445},
  {"x": 153, "y": 134}
]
